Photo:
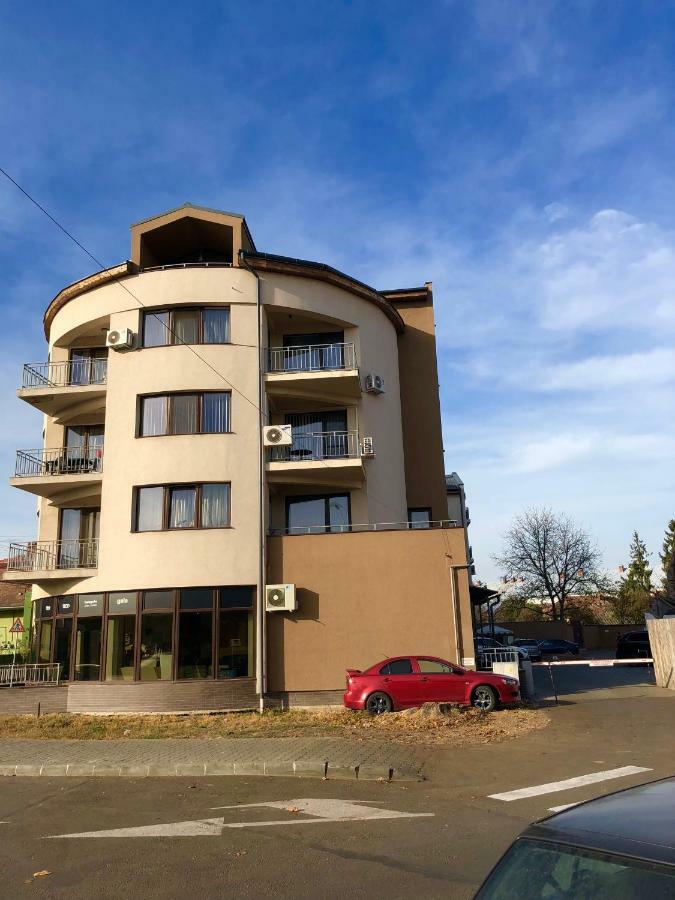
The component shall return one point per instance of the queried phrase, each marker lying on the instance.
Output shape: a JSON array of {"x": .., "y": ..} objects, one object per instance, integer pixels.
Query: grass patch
[{"x": 430, "y": 724}]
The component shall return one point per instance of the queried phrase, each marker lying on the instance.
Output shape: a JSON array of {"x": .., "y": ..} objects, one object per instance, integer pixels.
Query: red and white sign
[{"x": 17, "y": 627}]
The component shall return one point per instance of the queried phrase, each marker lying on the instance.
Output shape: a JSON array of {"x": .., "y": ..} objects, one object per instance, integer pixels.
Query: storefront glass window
[
  {"x": 195, "y": 651},
  {"x": 88, "y": 648},
  {"x": 235, "y": 641},
  {"x": 120, "y": 648},
  {"x": 45, "y": 643},
  {"x": 156, "y": 647},
  {"x": 62, "y": 646}
]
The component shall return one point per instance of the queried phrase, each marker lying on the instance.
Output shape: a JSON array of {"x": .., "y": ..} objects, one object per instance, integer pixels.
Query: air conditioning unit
[
  {"x": 277, "y": 436},
  {"x": 367, "y": 447},
  {"x": 120, "y": 339},
  {"x": 280, "y": 598},
  {"x": 374, "y": 384}
]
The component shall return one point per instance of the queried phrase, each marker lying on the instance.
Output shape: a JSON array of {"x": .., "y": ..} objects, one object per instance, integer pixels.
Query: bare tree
[{"x": 551, "y": 558}]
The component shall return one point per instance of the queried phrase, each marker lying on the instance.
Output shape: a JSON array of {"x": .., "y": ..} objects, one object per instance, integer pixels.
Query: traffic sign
[{"x": 17, "y": 627}]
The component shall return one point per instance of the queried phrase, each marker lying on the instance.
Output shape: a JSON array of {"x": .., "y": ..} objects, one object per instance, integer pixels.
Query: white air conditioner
[
  {"x": 277, "y": 436},
  {"x": 367, "y": 447},
  {"x": 374, "y": 384},
  {"x": 280, "y": 598},
  {"x": 120, "y": 339}
]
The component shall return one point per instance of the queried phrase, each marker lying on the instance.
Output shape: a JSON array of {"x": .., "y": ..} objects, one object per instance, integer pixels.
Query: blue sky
[{"x": 517, "y": 154}]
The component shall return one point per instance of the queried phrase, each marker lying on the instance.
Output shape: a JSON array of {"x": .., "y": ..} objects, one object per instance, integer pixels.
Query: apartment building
[{"x": 241, "y": 485}]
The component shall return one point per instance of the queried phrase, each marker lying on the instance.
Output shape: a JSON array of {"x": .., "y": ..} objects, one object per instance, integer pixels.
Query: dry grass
[{"x": 430, "y": 724}]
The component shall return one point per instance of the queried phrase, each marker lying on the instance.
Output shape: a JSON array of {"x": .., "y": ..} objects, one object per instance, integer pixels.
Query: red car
[{"x": 405, "y": 681}]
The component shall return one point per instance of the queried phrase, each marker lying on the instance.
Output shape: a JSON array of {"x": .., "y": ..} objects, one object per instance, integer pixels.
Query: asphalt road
[{"x": 606, "y": 721}]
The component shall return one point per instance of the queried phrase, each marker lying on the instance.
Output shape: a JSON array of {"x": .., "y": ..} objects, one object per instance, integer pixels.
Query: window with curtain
[
  {"x": 149, "y": 509},
  {"x": 184, "y": 413},
  {"x": 154, "y": 415},
  {"x": 207, "y": 412},
  {"x": 192, "y": 325},
  {"x": 177, "y": 506}
]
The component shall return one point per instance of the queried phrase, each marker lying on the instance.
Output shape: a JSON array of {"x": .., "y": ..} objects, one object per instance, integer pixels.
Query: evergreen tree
[
  {"x": 634, "y": 594},
  {"x": 639, "y": 575},
  {"x": 668, "y": 561}
]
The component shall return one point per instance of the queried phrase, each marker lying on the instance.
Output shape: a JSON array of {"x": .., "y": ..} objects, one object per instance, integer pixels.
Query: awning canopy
[{"x": 480, "y": 595}]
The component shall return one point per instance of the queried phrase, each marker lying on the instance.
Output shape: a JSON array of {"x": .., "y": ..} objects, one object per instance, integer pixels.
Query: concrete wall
[
  {"x": 662, "y": 642},
  {"x": 363, "y": 597}
]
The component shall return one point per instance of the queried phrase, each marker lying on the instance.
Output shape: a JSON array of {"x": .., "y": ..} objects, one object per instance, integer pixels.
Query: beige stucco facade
[{"x": 361, "y": 595}]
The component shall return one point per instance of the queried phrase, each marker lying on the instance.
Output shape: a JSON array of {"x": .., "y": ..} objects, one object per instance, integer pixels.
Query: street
[{"x": 316, "y": 838}]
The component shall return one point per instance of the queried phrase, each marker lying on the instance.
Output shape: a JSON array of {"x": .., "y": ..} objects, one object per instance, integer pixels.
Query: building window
[
  {"x": 420, "y": 517},
  {"x": 202, "y": 413},
  {"x": 88, "y": 366},
  {"x": 235, "y": 632},
  {"x": 171, "y": 507},
  {"x": 193, "y": 325},
  {"x": 318, "y": 514},
  {"x": 63, "y": 646},
  {"x": 156, "y": 663},
  {"x": 88, "y": 643},
  {"x": 195, "y": 633}
]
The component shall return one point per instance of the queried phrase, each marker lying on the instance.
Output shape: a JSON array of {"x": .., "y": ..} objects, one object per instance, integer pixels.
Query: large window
[
  {"x": 189, "y": 633},
  {"x": 88, "y": 366},
  {"x": 420, "y": 517},
  {"x": 192, "y": 325},
  {"x": 177, "y": 506},
  {"x": 317, "y": 514},
  {"x": 198, "y": 413}
]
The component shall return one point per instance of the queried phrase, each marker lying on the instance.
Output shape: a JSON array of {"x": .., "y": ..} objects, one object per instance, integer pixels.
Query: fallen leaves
[{"x": 42, "y": 873}]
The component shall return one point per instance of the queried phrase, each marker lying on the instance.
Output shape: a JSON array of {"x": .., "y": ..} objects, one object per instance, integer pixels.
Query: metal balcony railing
[
  {"x": 62, "y": 461},
  {"x": 47, "y": 556},
  {"x": 361, "y": 527},
  {"x": 64, "y": 374},
  {"x": 30, "y": 673},
  {"x": 318, "y": 445},
  {"x": 311, "y": 358}
]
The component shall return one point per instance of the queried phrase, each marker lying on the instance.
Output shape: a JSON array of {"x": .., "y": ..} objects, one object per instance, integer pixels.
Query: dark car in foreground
[
  {"x": 634, "y": 645},
  {"x": 618, "y": 847},
  {"x": 402, "y": 682},
  {"x": 558, "y": 647}
]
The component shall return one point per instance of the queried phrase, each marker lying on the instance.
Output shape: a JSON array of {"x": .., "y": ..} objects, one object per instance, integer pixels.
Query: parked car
[
  {"x": 406, "y": 681},
  {"x": 633, "y": 645},
  {"x": 619, "y": 847},
  {"x": 558, "y": 647},
  {"x": 486, "y": 643},
  {"x": 531, "y": 646}
]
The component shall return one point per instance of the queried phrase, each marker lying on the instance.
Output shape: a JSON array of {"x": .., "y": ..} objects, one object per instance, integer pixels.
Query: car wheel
[
  {"x": 379, "y": 703},
  {"x": 484, "y": 698}
]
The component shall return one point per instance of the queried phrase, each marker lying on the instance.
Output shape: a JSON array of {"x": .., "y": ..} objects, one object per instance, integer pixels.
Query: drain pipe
[
  {"x": 456, "y": 621},
  {"x": 261, "y": 636}
]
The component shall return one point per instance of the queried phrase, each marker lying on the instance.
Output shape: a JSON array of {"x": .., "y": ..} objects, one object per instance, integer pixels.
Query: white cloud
[{"x": 653, "y": 367}]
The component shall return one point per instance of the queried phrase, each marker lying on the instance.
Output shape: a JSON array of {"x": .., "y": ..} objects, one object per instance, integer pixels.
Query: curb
[{"x": 298, "y": 769}]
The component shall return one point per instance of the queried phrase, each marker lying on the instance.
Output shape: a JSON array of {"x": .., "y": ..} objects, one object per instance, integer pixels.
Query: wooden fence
[{"x": 662, "y": 642}]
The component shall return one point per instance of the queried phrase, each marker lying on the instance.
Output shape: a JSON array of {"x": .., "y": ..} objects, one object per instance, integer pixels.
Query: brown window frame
[
  {"x": 172, "y": 342},
  {"x": 169, "y": 397},
  {"x": 166, "y": 506}
]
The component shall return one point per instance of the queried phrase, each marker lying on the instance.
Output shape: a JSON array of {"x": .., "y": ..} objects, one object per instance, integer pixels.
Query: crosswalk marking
[{"x": 581, "y": 780}]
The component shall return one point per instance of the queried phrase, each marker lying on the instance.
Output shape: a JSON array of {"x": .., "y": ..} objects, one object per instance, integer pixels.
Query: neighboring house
[
  {"x": 14, "y": 604},
  {"x": 458, "y": 511},
  {"x": 178, "y": 532}
]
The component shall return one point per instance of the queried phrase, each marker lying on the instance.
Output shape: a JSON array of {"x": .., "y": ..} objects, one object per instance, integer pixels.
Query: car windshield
[{"x": 533, "y": 870}]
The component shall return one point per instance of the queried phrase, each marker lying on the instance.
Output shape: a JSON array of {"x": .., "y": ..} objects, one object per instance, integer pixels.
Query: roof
[
  {"x": 636, "y": 822},
  {"x": 305, "y": 268},
  {"x": 168, "y": 212},
  {"x": 12, "y": 594},
  {"x": 453, "y": 483}
]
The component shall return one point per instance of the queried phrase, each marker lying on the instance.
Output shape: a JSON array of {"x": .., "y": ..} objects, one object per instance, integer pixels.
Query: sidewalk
[{"x": 332, "y": 757}]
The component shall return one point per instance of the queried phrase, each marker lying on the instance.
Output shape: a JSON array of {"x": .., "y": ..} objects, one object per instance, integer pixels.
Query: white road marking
[
  {"x": 554, "y": 786},
  {"x": 564, "y": 806},
  {"x": 316, "y": 811}
]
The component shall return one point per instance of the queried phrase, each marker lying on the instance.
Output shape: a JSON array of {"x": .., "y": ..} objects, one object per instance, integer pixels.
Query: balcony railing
[
  {"x": 311, "y": 358},
  {"x": 75, "y": 373},
  {"x": 368, "y": 526},
  {"x": 318, "y": 446},
  {"x": 62, "y": 461},
  {"x": 47, "y": 556}
]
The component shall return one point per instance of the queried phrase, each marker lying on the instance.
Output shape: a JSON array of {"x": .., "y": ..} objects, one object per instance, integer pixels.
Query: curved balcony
[
  {"x": 52, "y": 560},
  {"x": 323, "y": 372},
  {"x": 65, "y": 390},
  {"x": 331, "y": 458},
  {"x": 63, "y": 475}
]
